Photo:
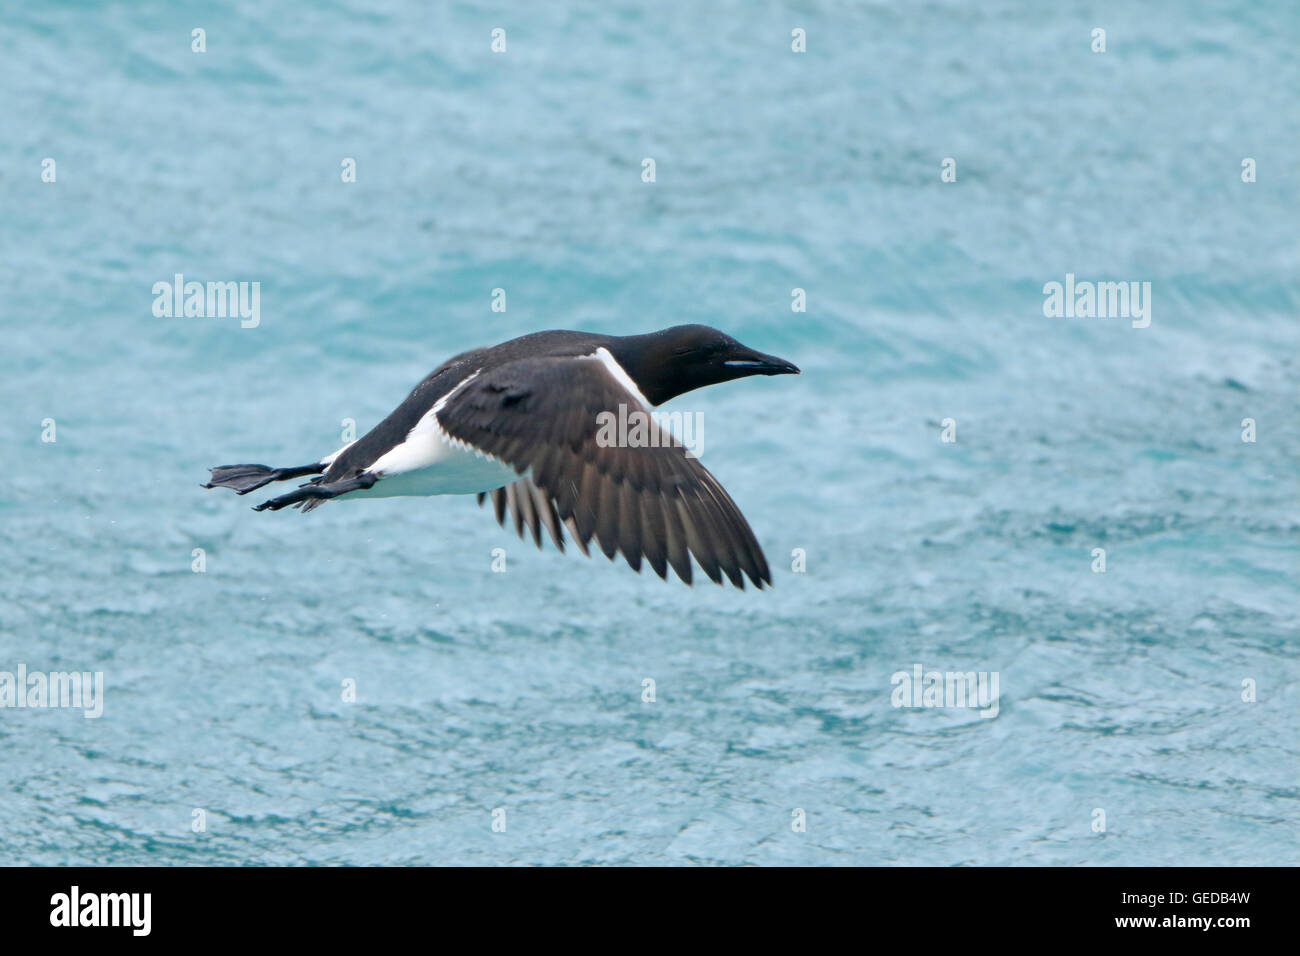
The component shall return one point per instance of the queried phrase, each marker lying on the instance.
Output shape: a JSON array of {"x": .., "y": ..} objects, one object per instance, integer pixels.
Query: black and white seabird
[{"x": 519, "y": 422}]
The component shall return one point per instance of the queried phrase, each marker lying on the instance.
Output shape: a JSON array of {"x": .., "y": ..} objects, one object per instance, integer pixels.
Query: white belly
[
  {"x": 430, "y": 462},
  {"x": 425, "y": 464}
]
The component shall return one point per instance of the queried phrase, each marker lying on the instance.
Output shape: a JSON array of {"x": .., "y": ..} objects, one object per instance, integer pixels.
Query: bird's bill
[{"x": 759, "y": 363}]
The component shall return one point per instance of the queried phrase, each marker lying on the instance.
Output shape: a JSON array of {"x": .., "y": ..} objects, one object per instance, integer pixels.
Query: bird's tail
[{"x": 245, "y": 478}]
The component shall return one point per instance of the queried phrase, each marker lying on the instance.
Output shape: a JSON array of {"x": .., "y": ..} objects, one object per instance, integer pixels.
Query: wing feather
[{"x": 656, "y": 502}]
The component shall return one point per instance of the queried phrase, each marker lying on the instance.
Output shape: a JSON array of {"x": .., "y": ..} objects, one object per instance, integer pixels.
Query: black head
[{"x": 669, "y": 363}]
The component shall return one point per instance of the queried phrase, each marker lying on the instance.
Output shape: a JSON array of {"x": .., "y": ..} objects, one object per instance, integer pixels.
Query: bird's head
[{"x": 686, "y": 357}]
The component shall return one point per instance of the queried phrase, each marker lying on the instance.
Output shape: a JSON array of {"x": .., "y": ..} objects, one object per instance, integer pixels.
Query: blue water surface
[{"x": 1120, "y": 692}]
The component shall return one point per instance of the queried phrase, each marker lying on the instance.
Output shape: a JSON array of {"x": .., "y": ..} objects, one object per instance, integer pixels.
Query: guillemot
[{"x": 519, "y": 422}]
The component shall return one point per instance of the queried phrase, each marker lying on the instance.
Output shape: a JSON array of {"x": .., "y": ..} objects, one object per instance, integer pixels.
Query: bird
[{"x": 521, "y": 423}]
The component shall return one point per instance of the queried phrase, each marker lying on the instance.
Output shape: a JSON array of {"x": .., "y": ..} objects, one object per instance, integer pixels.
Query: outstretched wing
[{"x": 543, "y": 417}]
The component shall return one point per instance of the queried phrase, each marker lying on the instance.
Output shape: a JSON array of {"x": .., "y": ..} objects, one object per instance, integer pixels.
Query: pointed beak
[{"x": 757, "y": 363}]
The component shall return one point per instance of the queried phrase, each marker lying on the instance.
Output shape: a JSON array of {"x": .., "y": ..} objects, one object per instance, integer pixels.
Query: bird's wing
[{"x": 543, "y": 417}]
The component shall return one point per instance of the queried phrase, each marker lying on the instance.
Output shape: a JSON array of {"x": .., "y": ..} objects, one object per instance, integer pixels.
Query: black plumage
[{"x": 533, "y": 405}]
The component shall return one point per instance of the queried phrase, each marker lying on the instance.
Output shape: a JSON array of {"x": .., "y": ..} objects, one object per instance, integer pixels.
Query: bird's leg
[
  {"x": 245, "y": 478},
  {"x": 331, "y": 490}
]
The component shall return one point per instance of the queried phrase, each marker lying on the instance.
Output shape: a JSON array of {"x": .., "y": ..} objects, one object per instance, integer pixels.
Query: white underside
[{"x": 431, "y": 462}]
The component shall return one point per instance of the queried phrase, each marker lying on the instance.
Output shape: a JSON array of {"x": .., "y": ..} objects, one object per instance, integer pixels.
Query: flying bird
[{"x": 520, "y": 422}]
